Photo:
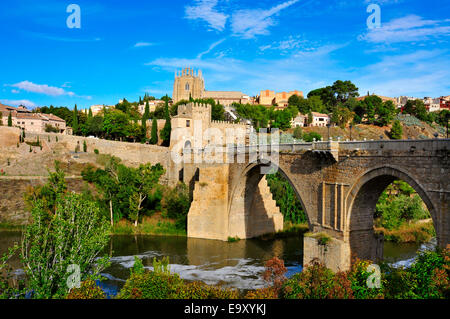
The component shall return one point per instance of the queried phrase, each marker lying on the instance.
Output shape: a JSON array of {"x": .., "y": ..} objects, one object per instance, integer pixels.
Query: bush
[
  {"x": 176, "y": 203},
  {"x": 88, "y": 290},
  {"x": 309, "y": 137},
  {"x": 150, "y": 285},
  {"x": 298, "y": 133},
  {"x": 200, "y": 290},
  {"x": 314, "y": 282},
  {"x": 96, "y": 151}
]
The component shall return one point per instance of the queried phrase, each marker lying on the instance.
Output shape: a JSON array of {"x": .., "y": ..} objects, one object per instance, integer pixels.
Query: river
[{"x": 239, "y": 264}]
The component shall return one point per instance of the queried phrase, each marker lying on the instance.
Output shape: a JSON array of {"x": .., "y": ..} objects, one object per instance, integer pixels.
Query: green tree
[
  {"x": 75, "y": 120},
  {"x": 116, "y": 124},
  {"x": 298, "y": 133},
  {"x": 165, "y": 132},
  {"x": 90, "y": 114},
  {"x": 1, "y": 119},
  {"x": 396, "y": 130},
  {"x": 154, "y": 132},
  {"x": 66, "y": 229},
  {"x": 145, "y": 180},
  {"x": 9, "y": 119}
]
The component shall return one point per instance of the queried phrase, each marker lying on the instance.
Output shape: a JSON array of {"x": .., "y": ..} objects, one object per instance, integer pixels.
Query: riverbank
[
  {"x": 417, "y": 232},
  {"x": 153, "y": 225}
]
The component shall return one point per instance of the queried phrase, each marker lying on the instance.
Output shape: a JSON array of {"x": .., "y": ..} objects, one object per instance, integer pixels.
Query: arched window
[{"x": 186, "y": 88}]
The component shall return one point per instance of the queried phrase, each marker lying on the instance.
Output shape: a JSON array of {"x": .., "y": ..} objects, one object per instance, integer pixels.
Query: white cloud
[
  {"x": 143, "y": 44},
  {"x": 291, "y": 43},
  {"x": 15, "y": 91},
  {"x": 407, "y": 29},
  {"x": 421, "y": 73},
  {"x": 211, "y": 47},
  {"x": 27, "y": 103},
  {"x": 249, "y": 23},
  {"x": 205, "y": 10},
  {"x": 41, "y": 88},
  {"x": 46, "y": 89}
]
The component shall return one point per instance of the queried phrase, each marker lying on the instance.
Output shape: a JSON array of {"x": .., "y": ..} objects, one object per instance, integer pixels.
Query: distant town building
[
  {"x": 96, "y": 109},
  {"x": 152, "y": 104},
  {"x": 319, "y": 119},
  {"x": 444, "y": 102},
  {"x": 32, "y": 122},
  {"x": 300, "y": 121},
  {"x": 190, "y": 84},
  {"x": 432, "y": 104},
  {"x": 383, "y": 98},
  {"x": 280, "y": 99}
]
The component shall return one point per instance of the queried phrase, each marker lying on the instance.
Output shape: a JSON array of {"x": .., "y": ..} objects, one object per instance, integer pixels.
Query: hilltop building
[
  {"x": 190, "y": 84},
  {"x": 269, "y": 98},
  {"x": 32, "y": 122}
]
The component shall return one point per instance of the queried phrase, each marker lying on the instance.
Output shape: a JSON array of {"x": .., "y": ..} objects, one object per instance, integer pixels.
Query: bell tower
[{"x": 188, "y": 83}]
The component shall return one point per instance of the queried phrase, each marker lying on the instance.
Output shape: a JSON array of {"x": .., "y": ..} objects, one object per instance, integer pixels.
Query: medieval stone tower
[{"x": 188, "y": 83}]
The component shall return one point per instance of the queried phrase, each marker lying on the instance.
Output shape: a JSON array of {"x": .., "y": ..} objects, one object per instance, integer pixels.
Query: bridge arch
[
  {"x": 251, "y": 208},
  {"x": 361, "y": 202}
]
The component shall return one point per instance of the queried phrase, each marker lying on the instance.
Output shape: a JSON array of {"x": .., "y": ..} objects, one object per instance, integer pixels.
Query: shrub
[
  {"x": 200, "y": 290},
  {"x": 150, "y": 285},
  {"x": 263, "y": 293},
  {"x": 309, "y": 137},
  {"x": 88, "y": 290},
  {"x": 298, "y": 133},
  {"x": 275, "y": 272},
  {"x": 358, "y": 276},
  {"x": 96, "y": 151},
  {"x": 84, "y": 146},
  {"x": 176, "y": 203},
  {"x": 314, "y": 282}
]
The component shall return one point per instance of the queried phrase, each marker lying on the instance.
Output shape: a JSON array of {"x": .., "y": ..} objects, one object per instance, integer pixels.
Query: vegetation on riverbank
[
  {"x": 427, "y": 278},
  {"x": 401, "y": 216}
]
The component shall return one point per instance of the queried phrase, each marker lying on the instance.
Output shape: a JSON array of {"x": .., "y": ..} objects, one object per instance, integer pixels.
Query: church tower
[{"x": 188, "y": 84}]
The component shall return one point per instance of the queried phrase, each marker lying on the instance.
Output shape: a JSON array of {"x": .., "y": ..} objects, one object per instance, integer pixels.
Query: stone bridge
[{"x": 337, "y": 183}]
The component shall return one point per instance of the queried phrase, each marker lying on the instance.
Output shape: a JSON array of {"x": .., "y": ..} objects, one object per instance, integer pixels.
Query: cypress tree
[
  {"x": 75, "y": 120},
  {"x": 165, "y": 133},
  {"x": 90, "y": 114},
  {"x": 144, "y": 126},
  {"x": 154, "y": 134},
  {"x": 9, "y": 119}
]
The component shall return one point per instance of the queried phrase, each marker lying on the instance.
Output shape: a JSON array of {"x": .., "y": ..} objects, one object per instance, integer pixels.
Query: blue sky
[{"x": 126, "y": 48}]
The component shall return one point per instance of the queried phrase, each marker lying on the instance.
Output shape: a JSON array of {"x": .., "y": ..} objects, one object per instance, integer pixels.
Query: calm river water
[{"x": 238, "y": 264}]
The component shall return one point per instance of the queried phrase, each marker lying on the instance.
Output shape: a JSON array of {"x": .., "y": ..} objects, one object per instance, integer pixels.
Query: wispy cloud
[
  {"x": 205, "y": 10},
  {"x": 211, "y": 47},
  {"x": 249, "y": 23},
  {"x": 41, "y": 89},
  {"x": 26, "y": 103},
  {"x": 46, "y": 89},
  {"x": 62, "y": 39},
  {"x": 143, "y": 44},
  {"x": 407, "y": 29}
]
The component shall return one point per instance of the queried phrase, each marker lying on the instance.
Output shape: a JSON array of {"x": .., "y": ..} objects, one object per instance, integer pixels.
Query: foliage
[
  {"x": 126, "y": 191},
  {"x": 66, "y": 228},
  {"x": 398, "y": 204},
  {"x": 298, "y": 133},
  {"x": 116, "y": 124},
  {"x": 358, "y": 276},
  {"x": 396, "y": 132},
  {"x": 311, "y": 136},
  {"x": 285, "y": 197},
  {"x": 165, "y": 132},
  {"x": 176, "y": 202},
  {"x": 314, "y": 282},
  {"x": 88, "y": 290},
  {"x": 274, "y": 273},
  {"x": 154, "y": 132},
  {"x": 50, "y": 129}
]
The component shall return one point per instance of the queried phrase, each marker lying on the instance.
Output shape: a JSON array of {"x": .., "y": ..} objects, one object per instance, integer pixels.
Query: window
[
  {"x": 31, "y": 123},
  {"x": 186, "y": 88},
  {"x": 188, "y": 123}
]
